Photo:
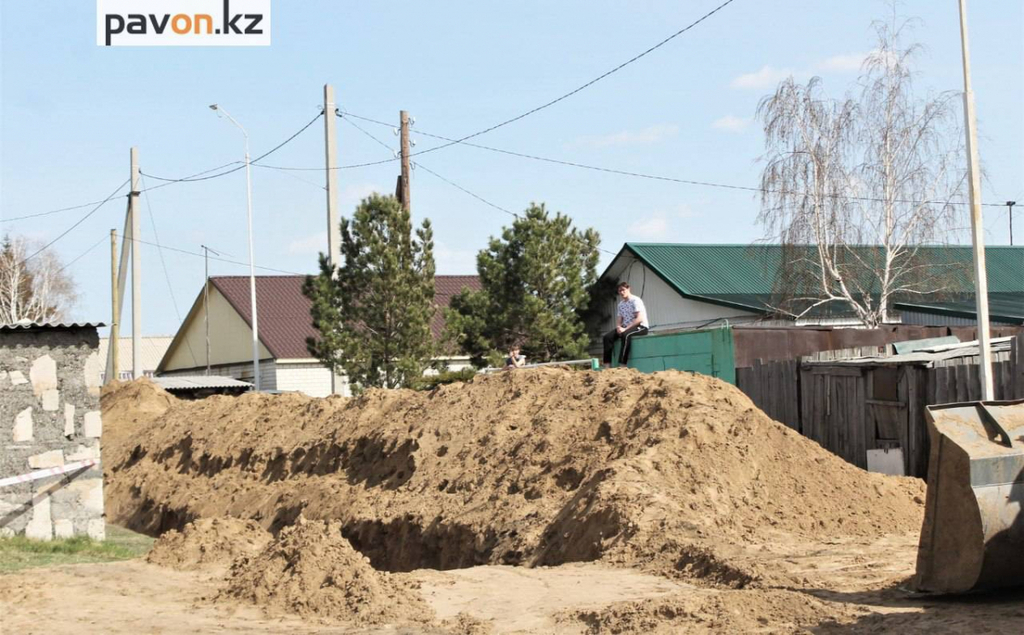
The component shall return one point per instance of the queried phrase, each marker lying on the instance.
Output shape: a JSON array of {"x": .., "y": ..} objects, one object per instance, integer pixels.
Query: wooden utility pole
[
  {"x": 122, "y": 281},
  {"x": 115, "y": 336},
  {"x": 977, "y": 228},
  {"x": 134, "y": 212},
  {"x": 406, "y": 198}
]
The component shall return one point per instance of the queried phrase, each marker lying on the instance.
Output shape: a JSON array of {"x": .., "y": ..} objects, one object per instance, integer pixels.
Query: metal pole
[
  {"x": 406, "y": 193},
  {"x": 252, "y": 256},
  {"x": 252, "y": 275},
  {"x": 977, "y": 228},
  {"x": 331, "y": 157},
  {"x": 112, "y": 352},
  {"x": 136, "y": 270},
  {"x": 1009, "y": 205}
]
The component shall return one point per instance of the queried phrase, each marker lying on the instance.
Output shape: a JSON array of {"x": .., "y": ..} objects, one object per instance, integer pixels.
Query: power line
[
  {"x": 199, "y": 255},
  {"x": 655, "y": 176},
  {"x": 459, "y": 187},
  {"x": 80, "y": 220},
  {"x": 84, "y": 253},
  {"x": 163, "y": 264},
  {"x": 193, "y": 178},
  {"x": 52, "y": 211},
  {"x": 582, "y": 87},
  {"x": 446, "y": 180}
]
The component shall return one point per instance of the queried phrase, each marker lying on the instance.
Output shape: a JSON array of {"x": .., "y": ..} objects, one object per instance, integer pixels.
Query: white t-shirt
[{"x": 629, "y": 309}]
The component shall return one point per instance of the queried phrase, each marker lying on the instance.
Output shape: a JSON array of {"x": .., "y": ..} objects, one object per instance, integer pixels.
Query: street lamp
[{"x": 252, "y": 265}]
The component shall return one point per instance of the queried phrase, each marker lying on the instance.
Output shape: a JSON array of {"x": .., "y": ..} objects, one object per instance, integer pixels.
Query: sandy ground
[{"x": 848, "y": 587}]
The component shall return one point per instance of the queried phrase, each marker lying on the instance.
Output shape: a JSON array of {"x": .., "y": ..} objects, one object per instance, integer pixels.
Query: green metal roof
[{"x": 745, "y": 276}]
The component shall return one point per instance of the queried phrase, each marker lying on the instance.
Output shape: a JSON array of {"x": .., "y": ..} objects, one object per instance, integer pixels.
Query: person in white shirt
[{"x": 630, "y": 321}]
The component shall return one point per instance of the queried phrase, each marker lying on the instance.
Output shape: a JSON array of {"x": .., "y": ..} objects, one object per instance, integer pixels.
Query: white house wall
[
  {"x": 666, "y": 308},
  {"x": 310, "y": 378}
]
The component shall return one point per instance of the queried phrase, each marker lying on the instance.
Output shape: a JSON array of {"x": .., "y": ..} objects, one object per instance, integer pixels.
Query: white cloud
[
  {"x": 309, "y": 245},
  {"x": 731, "y": 123},
  {"x": 842, "y": 63},
  {"x": 652, "y": 134},
  {"x": 767, "y": 77}
]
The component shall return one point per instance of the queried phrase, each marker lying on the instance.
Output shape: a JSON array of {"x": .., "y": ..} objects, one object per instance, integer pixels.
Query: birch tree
[
  {"x": 38, "y": 290},
  {"x": 854, "y": 187}
]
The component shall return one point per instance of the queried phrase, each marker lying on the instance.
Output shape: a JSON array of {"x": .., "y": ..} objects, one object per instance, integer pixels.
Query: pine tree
[
  {"x": 373, "y": 312},
  {"x": 535, "y": 281}
]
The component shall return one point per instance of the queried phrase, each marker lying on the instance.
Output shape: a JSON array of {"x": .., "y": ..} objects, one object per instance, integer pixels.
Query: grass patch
[{"x": 19, "y": 553}]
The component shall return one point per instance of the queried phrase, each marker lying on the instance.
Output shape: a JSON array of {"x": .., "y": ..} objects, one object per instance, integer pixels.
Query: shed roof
[
  {"x": 197, "y": 382},
  {"x": 48, "y": 326}
]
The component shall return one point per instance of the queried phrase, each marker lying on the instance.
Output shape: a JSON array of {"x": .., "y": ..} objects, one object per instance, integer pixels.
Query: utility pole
[
  {"x": 115, "y": 335},
  {"x": 331, "y": 158},
  {"x": 977, "y": 228},
  {"x": 1009, "y": 205},
  {"x": 122, "y": 281},
  {"x": 206, "y": 303},
  {"x": 133, "y": 204},
  {"x": 406, "y": 198}
]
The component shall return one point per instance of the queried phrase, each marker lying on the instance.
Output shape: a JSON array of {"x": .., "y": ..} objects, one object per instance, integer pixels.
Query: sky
[{"x": 70, "y": 110}]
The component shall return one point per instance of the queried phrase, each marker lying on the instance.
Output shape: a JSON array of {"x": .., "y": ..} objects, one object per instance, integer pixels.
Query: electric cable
[
  {"x": 192, "y": 178},
  {"x": 79, "y": 221},
  {"x": 83, "y": 254},
  {"x": 199, "y": 255},
  {"x": 448, "y": 181},
  {"x": 655, "y": 176},
  {"x": 163, "y": 264},
  {"x": 582, "y": 87}
]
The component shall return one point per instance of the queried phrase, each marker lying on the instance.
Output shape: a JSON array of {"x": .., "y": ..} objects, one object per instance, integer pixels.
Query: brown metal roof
[{"x": 284, "y": 321}]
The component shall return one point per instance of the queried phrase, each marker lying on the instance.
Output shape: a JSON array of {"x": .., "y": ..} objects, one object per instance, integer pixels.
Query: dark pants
[{"x": 627, "y": 336}]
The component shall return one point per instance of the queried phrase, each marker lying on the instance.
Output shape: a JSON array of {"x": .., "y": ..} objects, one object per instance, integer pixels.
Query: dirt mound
[
  {"x": 761, "y": 611},
  {"x": 136, "y": 401},
  {"x": 208, "y": 541},
  {"x": 311, "y": 570},
  {"x": 670, "y": 472}
]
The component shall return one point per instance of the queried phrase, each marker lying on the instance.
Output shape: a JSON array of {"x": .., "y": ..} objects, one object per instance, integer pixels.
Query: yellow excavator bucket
[{"x": 973, "y": 533}]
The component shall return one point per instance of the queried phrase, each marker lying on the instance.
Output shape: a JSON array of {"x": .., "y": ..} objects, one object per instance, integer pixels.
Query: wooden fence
[{"x": 852, "y": 408}]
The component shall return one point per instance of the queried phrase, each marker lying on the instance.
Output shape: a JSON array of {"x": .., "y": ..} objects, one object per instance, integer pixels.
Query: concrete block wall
[{"x": 49, "y": 417}]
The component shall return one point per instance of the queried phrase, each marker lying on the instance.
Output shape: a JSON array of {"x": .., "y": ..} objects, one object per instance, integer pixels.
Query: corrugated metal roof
[
  {"x": 745, "y": 276},
  {"x": 923, "y": 357},
  {"x": 54, "y": 326},
  {"x": 197, "y": 382},
  {"x": 152, "y": 349}
]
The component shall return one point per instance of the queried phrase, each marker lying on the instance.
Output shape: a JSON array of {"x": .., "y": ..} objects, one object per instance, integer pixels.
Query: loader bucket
[{"x": 973, "y": 533}]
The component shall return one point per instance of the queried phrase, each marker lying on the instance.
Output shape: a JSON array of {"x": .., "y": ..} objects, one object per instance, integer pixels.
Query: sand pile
[
  {"x": 138, "y": 401},
  {"x": 208, "y": 541},
  {"x": 671, "y": 472},
  {"x": 311, "y": 570},
  {"x": 761, "y": 611}
]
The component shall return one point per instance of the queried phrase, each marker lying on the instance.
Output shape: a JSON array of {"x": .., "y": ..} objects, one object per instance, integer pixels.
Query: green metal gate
[{"x": 709, "y": 352}]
